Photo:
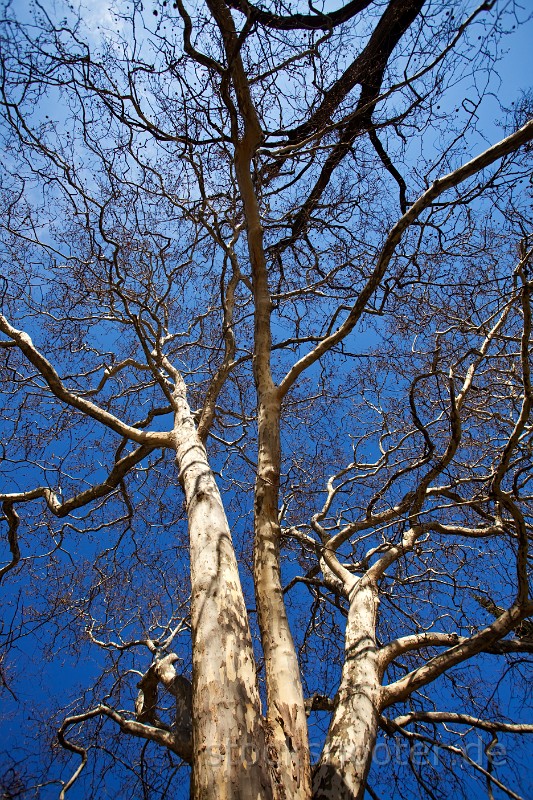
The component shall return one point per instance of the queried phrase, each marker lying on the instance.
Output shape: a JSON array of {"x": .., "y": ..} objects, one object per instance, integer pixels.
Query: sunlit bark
[
  {"x": 345, "y": 761},
  {"x": 228, "y": 735}
]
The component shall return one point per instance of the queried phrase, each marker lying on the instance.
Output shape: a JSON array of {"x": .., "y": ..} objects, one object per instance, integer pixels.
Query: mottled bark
[
  {"x": 287, "y": 718},
  {"x": 343, "y": 767},
  {"x": 229, "y": 751},
  {"x": 287, "y": 722}
]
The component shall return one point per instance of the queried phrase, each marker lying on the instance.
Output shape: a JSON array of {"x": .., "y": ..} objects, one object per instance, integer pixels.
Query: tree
[{"x": 268, "y": 254}]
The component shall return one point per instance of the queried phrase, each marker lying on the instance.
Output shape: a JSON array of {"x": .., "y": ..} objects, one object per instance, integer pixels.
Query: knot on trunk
[{"x": 162, "y": 673}]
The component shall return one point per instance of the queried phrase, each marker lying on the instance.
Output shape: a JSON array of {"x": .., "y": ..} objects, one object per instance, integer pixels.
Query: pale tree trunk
[
  {"x": 229, "y": 753},
  {"x": 287, "y": 721},
  {"x": 346, "y": 758}
]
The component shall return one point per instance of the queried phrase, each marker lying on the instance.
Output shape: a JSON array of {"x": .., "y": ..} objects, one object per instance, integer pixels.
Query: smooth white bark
[
  {"x": 343, "y": 767},
  {"x": 229, "y": 751}
]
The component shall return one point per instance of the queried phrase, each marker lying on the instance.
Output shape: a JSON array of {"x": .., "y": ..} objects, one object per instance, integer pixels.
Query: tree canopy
[{"x": 266, "y": 455}]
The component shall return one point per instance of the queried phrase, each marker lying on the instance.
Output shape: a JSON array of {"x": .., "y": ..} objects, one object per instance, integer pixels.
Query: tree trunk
[
  {"x": 345, "y": 761},
  {"x": 229, "y": 752},
  {"x": 287, "y": 720}
]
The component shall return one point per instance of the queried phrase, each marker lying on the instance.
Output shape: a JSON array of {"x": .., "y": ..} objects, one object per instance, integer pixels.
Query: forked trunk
[
  {"x": 229, "y": 753},
  {"x": 346, "y": 758}
]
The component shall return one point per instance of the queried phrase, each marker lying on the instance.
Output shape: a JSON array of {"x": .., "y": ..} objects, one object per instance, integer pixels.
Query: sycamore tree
[{"x": 265, "y": 400}]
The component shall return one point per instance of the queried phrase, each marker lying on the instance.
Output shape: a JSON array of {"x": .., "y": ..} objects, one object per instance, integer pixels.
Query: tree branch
[
  {"x": 438, "y": 187},
  {"x": 56, "y": 386}
]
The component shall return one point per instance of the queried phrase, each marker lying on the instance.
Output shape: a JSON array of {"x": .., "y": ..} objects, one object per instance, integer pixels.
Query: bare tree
[{"x": 266, "y": 393}]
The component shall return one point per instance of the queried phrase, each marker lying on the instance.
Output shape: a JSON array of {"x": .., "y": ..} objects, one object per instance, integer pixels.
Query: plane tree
[{"x": 266, "y": 392}]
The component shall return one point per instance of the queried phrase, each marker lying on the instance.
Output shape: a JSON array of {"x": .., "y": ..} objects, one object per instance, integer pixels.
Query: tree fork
[{"x": 286, "y": 717}]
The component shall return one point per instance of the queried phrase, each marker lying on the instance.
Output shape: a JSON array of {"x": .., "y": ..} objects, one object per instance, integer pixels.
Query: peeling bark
[
  {"x": 228, "y": 736},
  {"x": 345, "y": 761},
  {"x": 287, "y": 719}
]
